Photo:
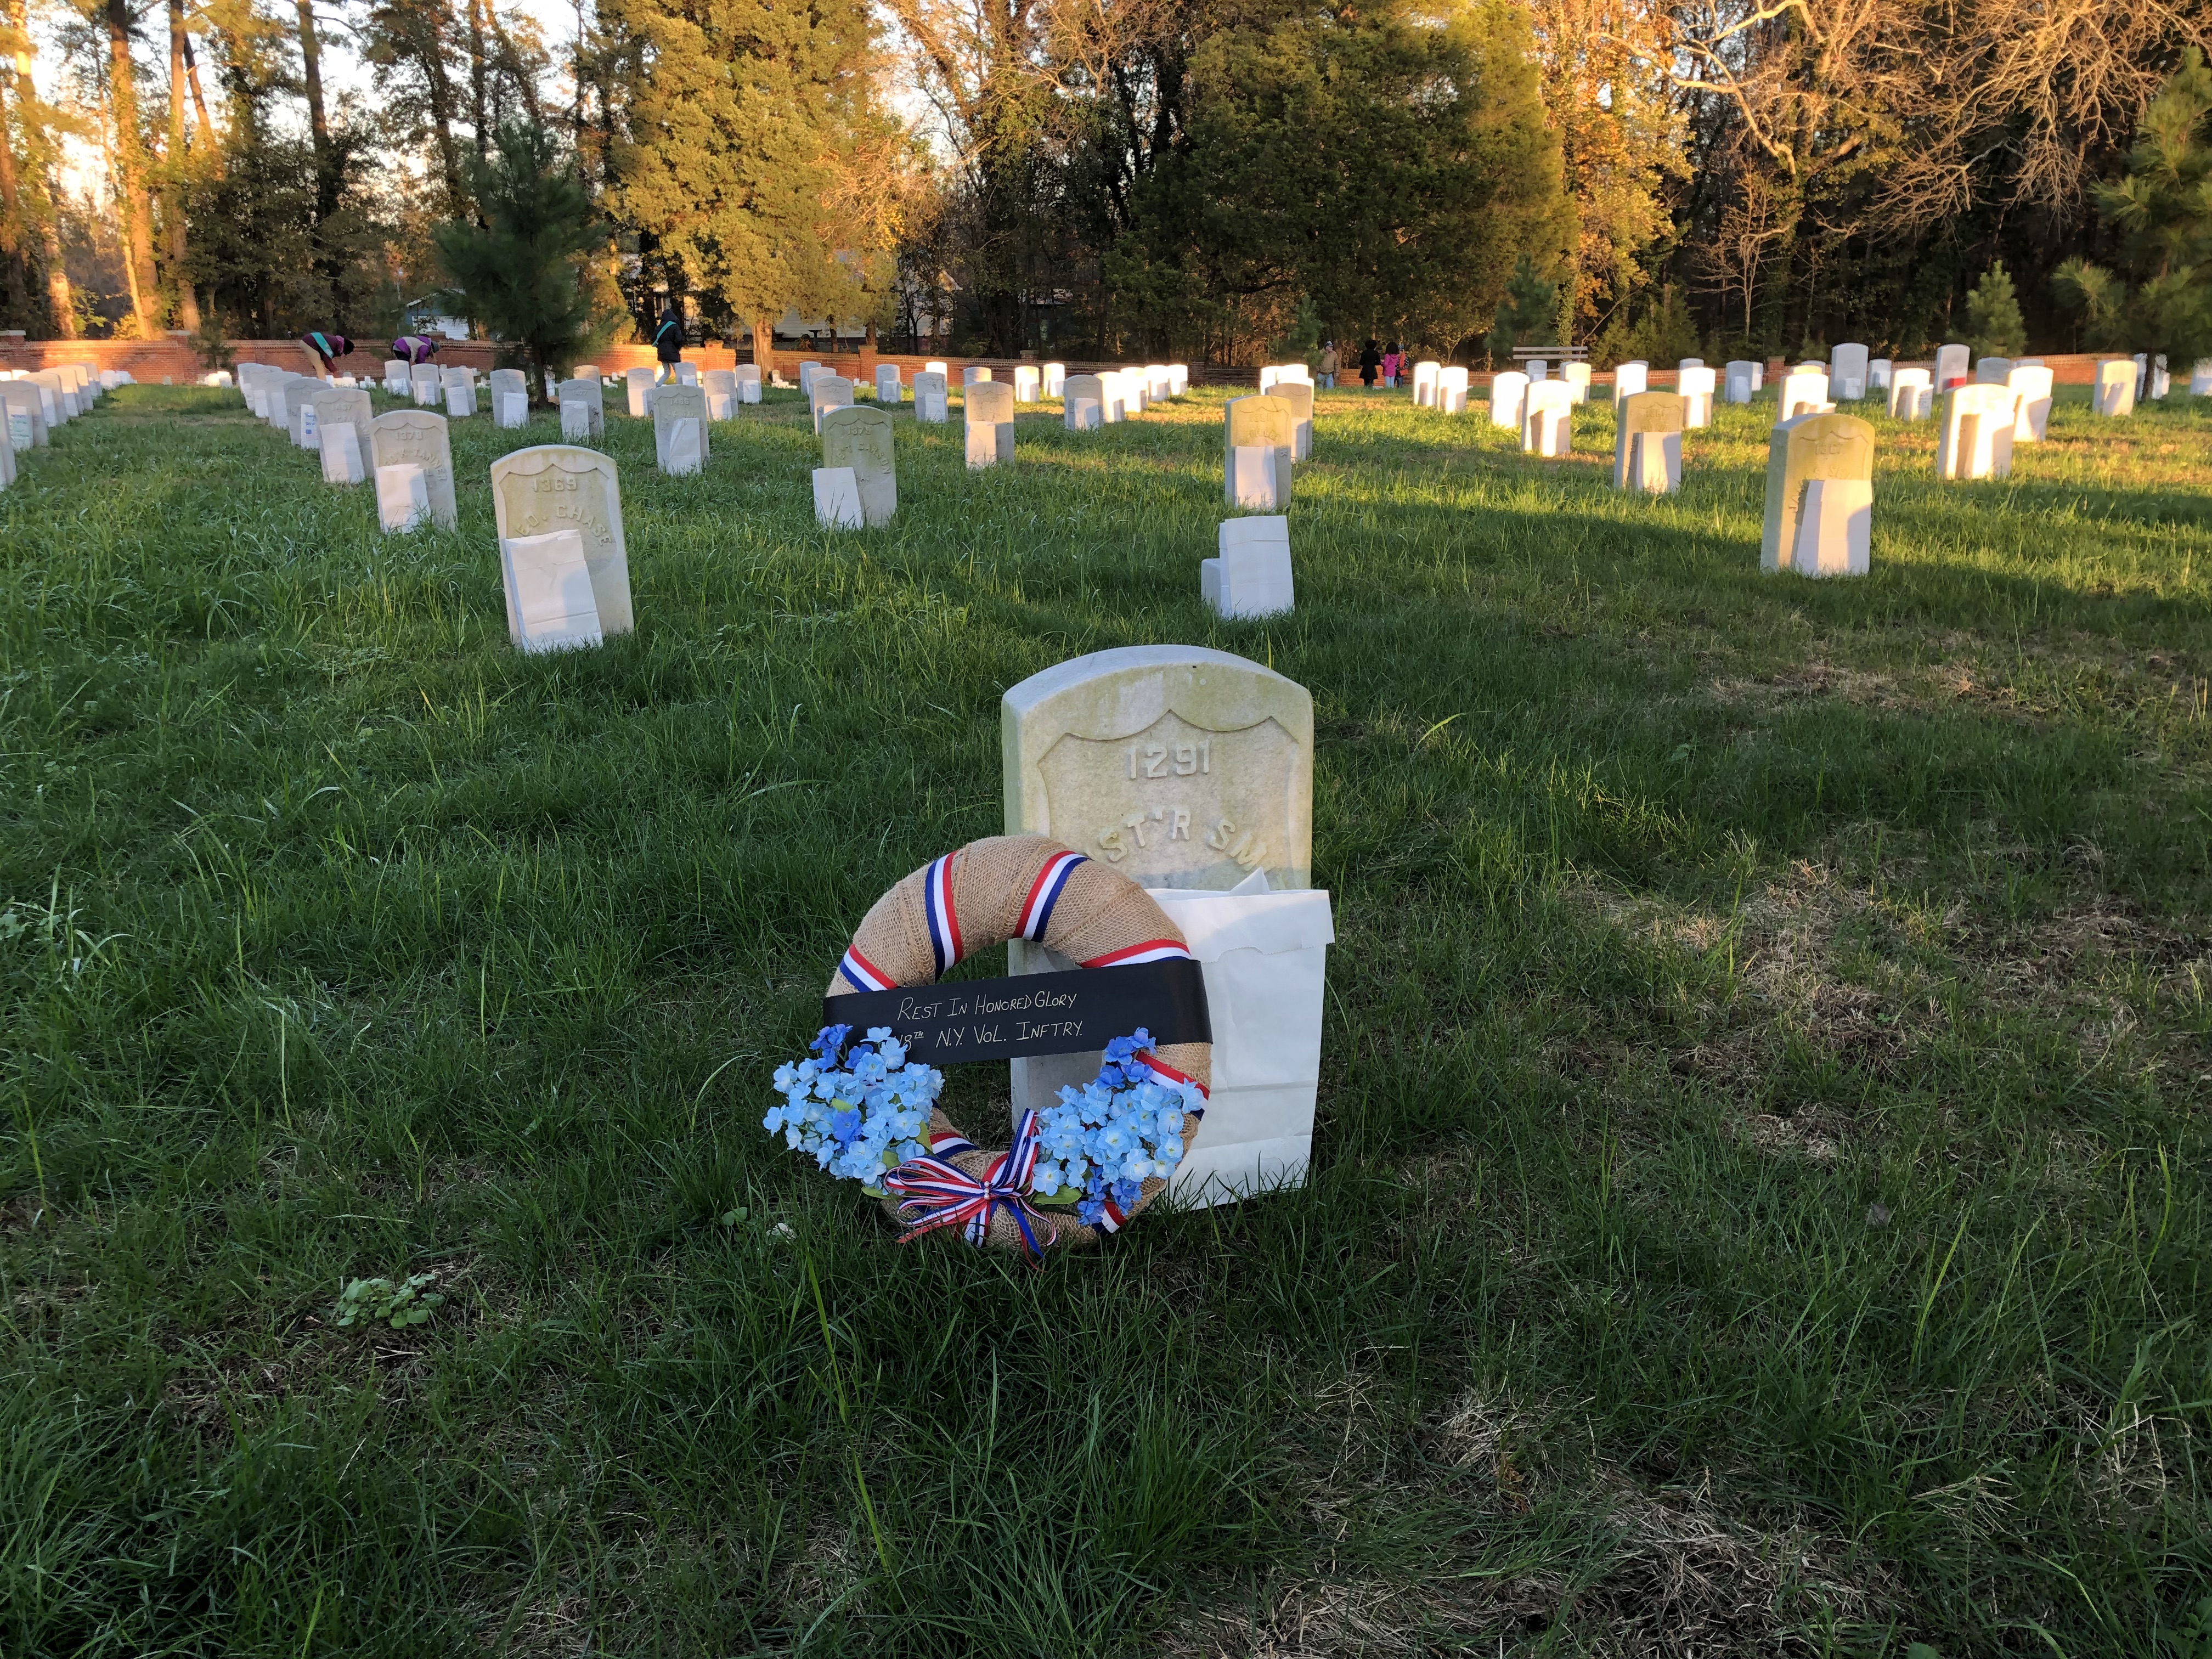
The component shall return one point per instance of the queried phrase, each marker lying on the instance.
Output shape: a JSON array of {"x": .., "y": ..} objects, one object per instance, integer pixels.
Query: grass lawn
[{"x": 1760, "y": 1201}]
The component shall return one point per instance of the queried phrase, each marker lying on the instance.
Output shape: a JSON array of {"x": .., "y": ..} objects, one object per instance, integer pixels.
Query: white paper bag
[
  {"x": 1834, "y": 528},
  {"x": 549, "y": 606},
  {"x": 342, "y": 455},
  {"x": 1252, "y": 476},
  {"x": 403, "y": 496},
  {"x": 837, "y": 499},
  {"x": 514, "y": 409},
  {"x": 575, "y": 423}
]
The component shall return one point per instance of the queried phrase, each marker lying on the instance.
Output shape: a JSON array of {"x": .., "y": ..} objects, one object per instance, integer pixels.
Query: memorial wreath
[{"x": 865, "y": 1103}]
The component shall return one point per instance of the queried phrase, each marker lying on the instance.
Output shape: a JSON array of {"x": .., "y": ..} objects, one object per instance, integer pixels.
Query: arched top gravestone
[
  {"x": 417, "y": 437},
  {"x": 1812, "y": 448},
  {"x": 554, "y": 487},
  {"x": 860, "y": 437},
  {"x": 1178, "y": 766}
]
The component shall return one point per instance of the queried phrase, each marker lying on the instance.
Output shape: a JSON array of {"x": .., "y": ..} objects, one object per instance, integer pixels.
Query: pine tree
[
  {"x": 517, "y": 272},
  {"x": 2164, "y": 210},
  {"x": 748, "y": 126},
  {"x": 1529, "y": 315},
  {"x": 1994, "y": 327}
]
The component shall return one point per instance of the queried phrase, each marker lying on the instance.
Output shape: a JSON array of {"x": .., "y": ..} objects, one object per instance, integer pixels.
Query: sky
[{"x": 344, "y": 74}]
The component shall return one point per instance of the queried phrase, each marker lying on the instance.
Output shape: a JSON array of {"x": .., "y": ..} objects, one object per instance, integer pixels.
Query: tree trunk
[
  {"x": 199, "y": 97},
  {"x": 129, "y": 160},
  {"x": 326, "y": 166},
  {"x": 11, "y": 218},
  {"x": 173, "y": 211},
  {"x": 59, "y": 300},
  {"x": 476, "y": 112}
]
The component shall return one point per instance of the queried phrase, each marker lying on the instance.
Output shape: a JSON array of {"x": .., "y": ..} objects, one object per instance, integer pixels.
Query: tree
[
  {"x": 752, "y": 137},
  {"x": 1994, "y": 327},
  {"x": 2163, "y": 209},
  {"x": 519, "y": 272},
  {"x": 1529, "y": 314},
  {"x": 1387, "y": 164}
]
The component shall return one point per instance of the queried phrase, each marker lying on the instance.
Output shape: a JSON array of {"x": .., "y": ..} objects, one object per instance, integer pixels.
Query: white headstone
[
  {"x": 1250, "y": 573},
  {"x": 1992, "y": 371},
  {"x": 1696, "y": 385},
  {"x": 1191, "y": 771},
  {"x": 1976, "y": 442},
  {"x": 1538, "y": 370},
  {"x": 1803, "y": 392},
  {"x": 2200, "y": 378},
  {"x": 807, "y": 372},
  {"x": 1647, "y": 446},
  {"x": 2162, "y": 383},
  {"x": 1425, "y": 378},
  {"x": 513, "y": 409},
  {"x": 1025, "y": 384},
  {"x": 1629, "y": 379},
  {"x": 2030, "y": 384},
  {"x": 1820, "y": 496},
  {"x": 828, "y": 392},
  {"x": 2115, "y": 394},
  {"x": 418, "y": 438},
  {"x": 1577, "y": 376},
  {"x": 1952, "y": 363},
  {"x": 859, "y": 440},
  {"x": 1055, "y": 377},
  {"x": 1742, "y": 381},
  {"x": 1847, "y": 372},
  {"x": 395, "y": 376},
  {"x": 1547, "y": 424},
  {"x": 973, "y": 374},
  {"x": 553, "y": 487},
  {"x": 680, "y": 445},
  {"x": 1911, "y": 394},
  {"x": 1509, "y": 399},
  {"x": 1878, "y": 374},
  {"x": 888, "y": 389},
  {"x": 461, "y": 401},
  {"x": 1451, "y": 391},
  {"x": 1178, "y": 379},
  {"x": 929, "y": 397},
  {"x": 637, "y": 384}
]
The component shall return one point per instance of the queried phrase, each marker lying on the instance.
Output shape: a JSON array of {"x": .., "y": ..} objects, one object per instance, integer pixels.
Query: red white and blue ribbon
[
  {"x": 1168, "y": 1074},
  {"x": 1044, "y": 894},
  {"x": 943, "y": 924},
  {"x": 934, "y": 1192},
  {"x": 1152, "y": 950},
  {"x": 863, "y": 975}
]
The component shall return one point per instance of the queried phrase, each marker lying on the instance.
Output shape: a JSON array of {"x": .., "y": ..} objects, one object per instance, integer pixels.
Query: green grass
[{"x": 1760, "y": 1196}]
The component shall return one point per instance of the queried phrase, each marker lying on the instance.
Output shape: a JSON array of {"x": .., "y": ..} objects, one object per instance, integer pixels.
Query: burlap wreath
[{"x": 990, "y": 891}]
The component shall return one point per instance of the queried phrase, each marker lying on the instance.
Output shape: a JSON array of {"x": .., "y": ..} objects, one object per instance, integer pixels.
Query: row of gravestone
[{"x": 36, "y": 402}]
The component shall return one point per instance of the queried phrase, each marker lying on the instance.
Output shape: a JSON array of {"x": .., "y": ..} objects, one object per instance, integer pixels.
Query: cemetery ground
[{"x": 1761, "y": 1196}]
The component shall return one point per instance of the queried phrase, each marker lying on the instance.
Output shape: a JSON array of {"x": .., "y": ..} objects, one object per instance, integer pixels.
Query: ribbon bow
[{"x": 940, "y": 1193}]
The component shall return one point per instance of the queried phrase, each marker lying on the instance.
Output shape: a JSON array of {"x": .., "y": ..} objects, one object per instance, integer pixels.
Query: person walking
[
  {"x": 1393, "y": 360},
  {"x": 668, "y": 345},
  {"x": 1370, "y": 361},
  {"x": 1328, "y": 368}
]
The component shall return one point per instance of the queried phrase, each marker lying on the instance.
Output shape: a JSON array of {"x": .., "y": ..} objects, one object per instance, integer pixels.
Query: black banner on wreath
[{"x": 1034, "y": 1013}]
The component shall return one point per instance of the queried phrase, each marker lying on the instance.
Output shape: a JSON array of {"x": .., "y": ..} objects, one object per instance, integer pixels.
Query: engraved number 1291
[{"x": 1157, "y": 760}]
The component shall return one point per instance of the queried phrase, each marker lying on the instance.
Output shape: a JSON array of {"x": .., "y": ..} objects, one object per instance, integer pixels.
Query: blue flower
[
  {"x": 1091, "y": 1211},
  {"x": 829, "y": 1040},
  {"x": 1126, "y": 1192},
  {"x": 843, "y": 1126}
]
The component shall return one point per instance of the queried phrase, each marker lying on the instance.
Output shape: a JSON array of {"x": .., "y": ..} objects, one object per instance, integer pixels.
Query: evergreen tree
[
  {"x": 1994, "y": 327},
  {"x": 1529, "y": 315},
  {"x": 2163, "y": 208},
  {"x": 519, "y": 271},
  {"x": 751, "y": 135}
]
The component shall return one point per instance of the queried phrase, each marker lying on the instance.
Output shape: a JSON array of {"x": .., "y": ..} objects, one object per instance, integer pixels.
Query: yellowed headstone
[{"x": 555, "y": 487}]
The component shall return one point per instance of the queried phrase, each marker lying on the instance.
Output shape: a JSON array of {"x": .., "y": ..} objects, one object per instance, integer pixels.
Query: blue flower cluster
[
  {"x": 860, "y": 1110},
  {"x": 1103, "y": 1140}
]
